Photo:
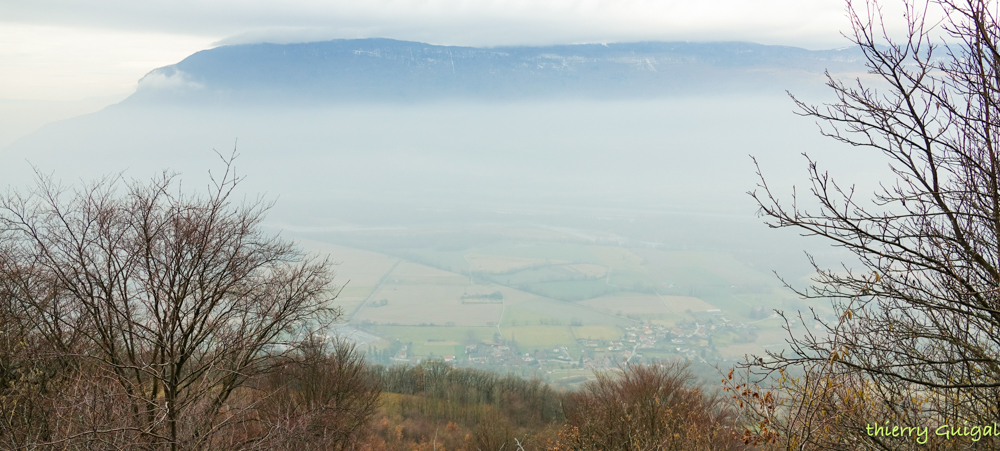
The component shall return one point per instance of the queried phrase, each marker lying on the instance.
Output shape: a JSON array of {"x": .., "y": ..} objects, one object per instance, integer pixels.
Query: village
[{"x": 644, "y": 342}]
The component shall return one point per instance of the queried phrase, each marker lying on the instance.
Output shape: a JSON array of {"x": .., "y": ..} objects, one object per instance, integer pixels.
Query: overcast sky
[{"x": 70, "y": 50}]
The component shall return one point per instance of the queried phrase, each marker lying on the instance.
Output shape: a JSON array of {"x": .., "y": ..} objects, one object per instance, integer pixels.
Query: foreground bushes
[
  {"x": 655, "y": 407},
  {"x": 325, "y": 399},
  {"x": 325, "y": 396},
  {"x": 321, "y": 397},
  {"x": 434, "y": 405}
]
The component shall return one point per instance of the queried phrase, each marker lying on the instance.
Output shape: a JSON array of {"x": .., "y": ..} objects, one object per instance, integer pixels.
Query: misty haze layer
[{"x": 381, "y": 133}]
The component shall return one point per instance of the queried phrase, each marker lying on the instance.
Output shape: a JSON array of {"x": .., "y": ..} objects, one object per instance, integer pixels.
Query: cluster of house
[
  {"x": 492, "y": 354},
  {"x": 690, "y": 339},
  {"x": 687, "y": 338}
]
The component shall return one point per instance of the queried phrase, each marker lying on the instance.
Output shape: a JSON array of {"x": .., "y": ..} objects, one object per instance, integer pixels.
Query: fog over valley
[{"x": 578, "y": 183}]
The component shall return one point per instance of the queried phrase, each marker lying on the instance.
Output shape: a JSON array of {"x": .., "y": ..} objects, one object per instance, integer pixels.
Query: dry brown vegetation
[
  {"x": 654, "y": 407},
  {"x": 437, "y": 405},
  {"x": 137, "y": 316}
]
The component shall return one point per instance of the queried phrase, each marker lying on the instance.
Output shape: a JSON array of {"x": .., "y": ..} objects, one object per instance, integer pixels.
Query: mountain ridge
[{"x": 379, "y": 69}]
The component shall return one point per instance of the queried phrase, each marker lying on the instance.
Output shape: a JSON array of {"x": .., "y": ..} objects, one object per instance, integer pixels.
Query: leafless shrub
[
  {"x": 492, "y": 433},
  {"x": 649, "y": 407},
  {"x": 916, "y": 337},
  {"x": 149, "y": 306},
  {"x": 323, "y": 398}
]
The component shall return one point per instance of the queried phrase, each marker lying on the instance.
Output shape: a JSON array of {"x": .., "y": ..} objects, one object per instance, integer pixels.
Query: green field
[
  {"x": 568, "y": 252},
  {"x": 540, "y": 310},
  {"x": 555, "y": 289},
  {"x": 540, "y": 337},
  {"x": 438, "y": 340},
  {"x": 596, "y": 332}
]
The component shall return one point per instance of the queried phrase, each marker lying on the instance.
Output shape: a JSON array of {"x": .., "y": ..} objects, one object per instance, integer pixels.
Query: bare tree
[
  {"x": 160, "y": 305},
  {"x": 917, "y": 332}
]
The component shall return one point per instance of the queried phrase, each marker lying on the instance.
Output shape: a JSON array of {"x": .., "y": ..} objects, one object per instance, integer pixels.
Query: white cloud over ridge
[
  {"x": 812, "y": 24},
  {"x": 71, "y": 49},
  {"x": 173, "y": 80}
]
